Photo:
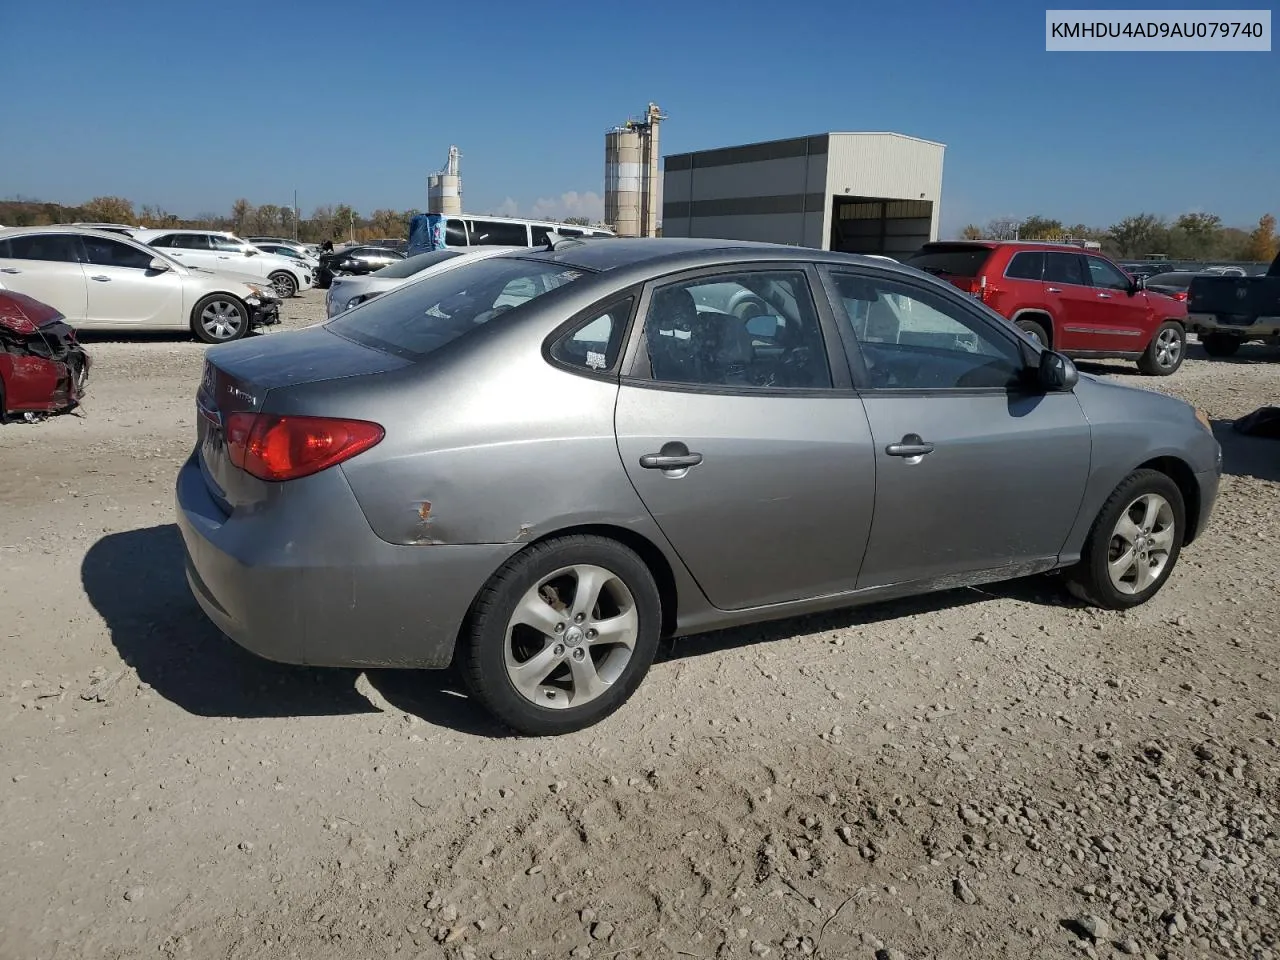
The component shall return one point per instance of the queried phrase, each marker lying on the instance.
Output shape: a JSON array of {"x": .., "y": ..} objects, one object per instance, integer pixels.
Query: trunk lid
[{"x": 240, "y": 378}]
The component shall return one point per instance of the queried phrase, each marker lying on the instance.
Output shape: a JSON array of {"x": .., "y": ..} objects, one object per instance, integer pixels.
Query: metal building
[
  {"x": 856, "y": 192},
  {"x": 444, "y": 189},
  {"x": 631, "y": 176}
]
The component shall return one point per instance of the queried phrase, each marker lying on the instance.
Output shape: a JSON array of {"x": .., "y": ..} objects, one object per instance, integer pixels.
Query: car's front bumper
[
  {"x": 306, "y": 580},
  {"x": 1207, "y": 485},
  {"x": 265, "y": 314},
  {"x": 1251, "y": 328}
]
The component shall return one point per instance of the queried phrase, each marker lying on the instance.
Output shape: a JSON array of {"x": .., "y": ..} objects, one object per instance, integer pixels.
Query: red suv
[{"x": 1075, "y": 301}]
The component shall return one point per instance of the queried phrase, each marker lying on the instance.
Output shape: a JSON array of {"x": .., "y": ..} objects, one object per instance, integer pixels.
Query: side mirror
[
  {"x": 1139, "y": 283},
  {"x": 157, "y": 265},
  {"x": 251, "y": 253},
  {"x": 1056, "y": 373}
]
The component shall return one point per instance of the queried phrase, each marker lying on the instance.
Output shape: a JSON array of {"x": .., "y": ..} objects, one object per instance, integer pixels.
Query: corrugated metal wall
[{"x": 886, "y": 165}]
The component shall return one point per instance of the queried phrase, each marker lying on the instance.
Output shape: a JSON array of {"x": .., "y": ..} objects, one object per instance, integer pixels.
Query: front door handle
[
  {"x": 911, "y": 446},
  {"x": 1104, "y": 296},
  {"x": 674, "y": 455},
  {"x": 1052, "y": 289},
  {"x": 9, "y": 270},
  {"x": 658, "y": 461},
  {"x": 101, "y": 279}
]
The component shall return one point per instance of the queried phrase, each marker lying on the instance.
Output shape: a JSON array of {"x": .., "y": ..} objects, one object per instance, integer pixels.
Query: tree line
[
  {"x": 337, "y": 222},
  {"x": 1192, "y": 236}
]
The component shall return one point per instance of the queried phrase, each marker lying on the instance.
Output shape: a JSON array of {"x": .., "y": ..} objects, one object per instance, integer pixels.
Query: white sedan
[
  {"x": 221, "y": 251},
  {"x": 107, "y": 281},
  {"x": 347, "y": 292}
]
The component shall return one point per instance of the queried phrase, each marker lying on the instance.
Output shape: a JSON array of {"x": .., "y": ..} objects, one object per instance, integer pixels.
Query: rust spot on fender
[{"x": 526, "y": 529}]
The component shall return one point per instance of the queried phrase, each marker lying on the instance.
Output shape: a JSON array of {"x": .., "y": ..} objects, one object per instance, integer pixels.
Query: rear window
[
  {"x": 412, "y": 265},
  {"x": 417, "y": 318},
  {"x": 957, "y": 261}
]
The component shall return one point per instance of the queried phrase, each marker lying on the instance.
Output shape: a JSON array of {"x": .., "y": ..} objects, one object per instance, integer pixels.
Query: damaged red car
[{"x": 43, "y": 367}]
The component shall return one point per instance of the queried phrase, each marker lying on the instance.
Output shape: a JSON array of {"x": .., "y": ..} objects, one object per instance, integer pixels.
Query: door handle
[
  {"x": 1104, "y": 296},
  {"x": 659, "y": 461},
  {"x": 101, "y": 279},
  {"x": 1052, "y": 290},
  {"x": 9, "y": 270},
  {"x": 912, "y": 447}
]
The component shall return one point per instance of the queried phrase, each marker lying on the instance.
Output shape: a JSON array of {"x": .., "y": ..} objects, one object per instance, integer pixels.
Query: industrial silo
[
  {"x": 622, "y": 148},
  {"x": 444, "y": 189}
]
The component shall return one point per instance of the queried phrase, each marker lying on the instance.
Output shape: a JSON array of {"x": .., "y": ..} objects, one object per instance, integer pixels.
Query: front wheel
[
  {"x": 219, "y": 318},
  {"x": 1133, "y": 545},
  {"x": 284, "y": 283},
  {"x": 561, "y": 636},
  {"x": 1165, "y": 351},
  {"x": 1220, "y": 344},
  {"x": 1035, "y": 331}
]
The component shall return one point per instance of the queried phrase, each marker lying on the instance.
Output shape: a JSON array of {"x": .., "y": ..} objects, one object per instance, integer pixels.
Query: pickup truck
[{"x": 1229, "y": 311}]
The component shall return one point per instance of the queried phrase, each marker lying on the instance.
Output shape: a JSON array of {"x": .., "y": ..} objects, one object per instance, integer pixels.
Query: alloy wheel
[
  {"x": 571, "y": 636},
  {"x": 221, "y": 320},
  {"x": 1168, "y": 348},
  {"x": 1140, "y": 544}
]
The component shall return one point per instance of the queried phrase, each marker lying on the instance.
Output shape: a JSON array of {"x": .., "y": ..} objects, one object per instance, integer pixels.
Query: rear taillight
[
  {"x": 1180, "y": 295},
  {"x": 274, "y": 447},
  {"x": 978, "y": 288}
]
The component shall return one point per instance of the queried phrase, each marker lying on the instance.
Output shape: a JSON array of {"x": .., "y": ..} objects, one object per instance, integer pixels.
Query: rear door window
[
  {"x": 1027, "y": 265},
  {"x": 58, "y": 247},
  {"x": 1064, "y": 268},
  {"x": 191, "y": 241}
]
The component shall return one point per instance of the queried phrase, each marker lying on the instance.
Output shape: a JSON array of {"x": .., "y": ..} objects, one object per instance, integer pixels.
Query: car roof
[
  {"x": 155, "y": 231},
  {"x": 609, "y": 253},
  {"x": 65, "y": 228},
  {"x": 1020, "y": 244}
]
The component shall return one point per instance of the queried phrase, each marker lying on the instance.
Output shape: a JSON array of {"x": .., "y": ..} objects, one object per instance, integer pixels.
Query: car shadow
[
  {"x": 136, "y": 582},
  {"x": 1249, "y": 354},
  {"x": 136, "y": 336},
  {"x": 1247, "y": 456},
  {"x": 1100, "y": 368}
]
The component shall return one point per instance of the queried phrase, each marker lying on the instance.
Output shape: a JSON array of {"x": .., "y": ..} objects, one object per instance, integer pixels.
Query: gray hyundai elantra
[{"x": 543, "y": 462}]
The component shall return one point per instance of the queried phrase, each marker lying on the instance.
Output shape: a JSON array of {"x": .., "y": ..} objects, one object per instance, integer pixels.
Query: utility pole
[
  {"x": 295, "y": 214},
  {"x": 353, "y": 226}
]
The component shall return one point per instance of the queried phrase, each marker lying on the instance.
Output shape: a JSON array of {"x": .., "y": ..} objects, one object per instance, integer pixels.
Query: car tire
[
  {"x": 1036, "y": 331},
  {"x": 530, "y": 677},
  {"x": 1220, "y": 344},
  {"x": 285, "y": 284},
  {"x": 219, "y": 318},
  {"x": 1165, "y": 352},
  {"x": 1102, "y": 578}
]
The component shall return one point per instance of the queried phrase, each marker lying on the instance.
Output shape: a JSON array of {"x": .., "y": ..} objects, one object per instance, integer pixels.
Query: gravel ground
[{"x": 979, "y": 774}]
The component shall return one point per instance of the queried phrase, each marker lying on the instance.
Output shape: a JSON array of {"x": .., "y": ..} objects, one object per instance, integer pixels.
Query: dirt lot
[{"x": 979, "y": 774}]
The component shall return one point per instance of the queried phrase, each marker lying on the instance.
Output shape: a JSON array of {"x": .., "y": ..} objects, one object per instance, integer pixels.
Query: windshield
[
  {"x": 417, "y": 318},
  {"x": 407, "y": 268}
]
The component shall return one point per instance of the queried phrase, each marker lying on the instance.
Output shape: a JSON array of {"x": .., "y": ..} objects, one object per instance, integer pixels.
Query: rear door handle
[
  {"x": 911, "y": 447},
  {"x": 659, "y": 461},
  {"x": 9, "y": 270},
  {"x": 101, "y": 279},
  {"x": 1052, "y": 290}
]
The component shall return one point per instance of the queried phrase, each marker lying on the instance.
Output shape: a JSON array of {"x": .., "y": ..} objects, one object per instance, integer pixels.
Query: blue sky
[{"x": 190, "y": 105}]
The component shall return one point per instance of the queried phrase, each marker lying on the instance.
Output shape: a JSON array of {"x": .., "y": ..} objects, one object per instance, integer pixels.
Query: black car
[{"x": 354, "y": 261}]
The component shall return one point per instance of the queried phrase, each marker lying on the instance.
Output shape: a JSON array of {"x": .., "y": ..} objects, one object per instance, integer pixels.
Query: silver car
[{"x": 543, "y": 462}]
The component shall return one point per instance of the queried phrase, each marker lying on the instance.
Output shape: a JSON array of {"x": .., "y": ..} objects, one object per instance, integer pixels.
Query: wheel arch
[
  {"x": 1180, "y": 472},
  {"x": 1039, "y": 315}
]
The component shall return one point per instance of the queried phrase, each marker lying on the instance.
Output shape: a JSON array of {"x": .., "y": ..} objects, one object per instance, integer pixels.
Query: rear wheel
[
  {"x": 561, "y": 636},
  {"x": 1035, "y": 331},
  {"x": 1166, "y": 350},
  {"x": 1220, "y": 344},
  {"x": 219, "y": 318},
  {"x": 1133, "y": 545},
  {"x": 284, "y": 283}
]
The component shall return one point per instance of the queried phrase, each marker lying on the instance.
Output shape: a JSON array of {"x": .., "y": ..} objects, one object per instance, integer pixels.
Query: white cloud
[
  {"x": 507, "y": 208},
  {"x": 571, "y": 204}
]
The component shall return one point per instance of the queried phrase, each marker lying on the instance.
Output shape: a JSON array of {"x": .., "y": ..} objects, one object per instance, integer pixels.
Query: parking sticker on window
[{"x": 596, "y": 361}]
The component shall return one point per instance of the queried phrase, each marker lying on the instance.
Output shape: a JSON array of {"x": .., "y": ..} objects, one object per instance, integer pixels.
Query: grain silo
[
  {"x": 631, "y": 176},
  {"x": 444, "y": 189}
]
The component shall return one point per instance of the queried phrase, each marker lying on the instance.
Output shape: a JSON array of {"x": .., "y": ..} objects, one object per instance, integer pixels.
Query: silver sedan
[{"x": 543, "y": 462}]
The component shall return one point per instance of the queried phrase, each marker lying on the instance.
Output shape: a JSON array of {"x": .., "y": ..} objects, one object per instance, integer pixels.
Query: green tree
[
  {"x": 1139, "y": 235},
  {"x": 345, "y": 221},
  {"x": 1040, "y": 228},
  {"x": 108, "y": 210},
  {"x": 1200, "y": 232},
  {"x": 268, "y": 219},
  {"x": 1262, "y": 241}
]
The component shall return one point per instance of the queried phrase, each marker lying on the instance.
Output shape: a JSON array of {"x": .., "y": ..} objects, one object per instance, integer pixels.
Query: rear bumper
[
  {"x": 1249, "y": 327},
  {"x": 305, "y": 580}
]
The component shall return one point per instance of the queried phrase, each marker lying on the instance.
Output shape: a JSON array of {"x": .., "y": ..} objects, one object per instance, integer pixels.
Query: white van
[{"x": 469, "y": 231}]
